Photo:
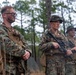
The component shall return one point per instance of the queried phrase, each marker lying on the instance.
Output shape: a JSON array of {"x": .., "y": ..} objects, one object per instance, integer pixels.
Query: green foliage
[
  {"x": 37, "y": 16},
  {"x": 27, "y": 35},
  {"x": 32, "y": 2},
  {"x": 42, "y": 15},
  {"x": 56, "y": 5},
  {"x": 22, "y": 6}
]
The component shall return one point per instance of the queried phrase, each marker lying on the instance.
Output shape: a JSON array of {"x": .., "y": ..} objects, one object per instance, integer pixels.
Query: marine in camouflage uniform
[
  {"x": 15, "y": 50},
  {"x": 55, "y": 62},
  {"x": 70, "y": 65}
]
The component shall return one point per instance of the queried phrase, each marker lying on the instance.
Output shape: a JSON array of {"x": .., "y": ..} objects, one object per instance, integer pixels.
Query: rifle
[
  {"x": 61, "y": 48},
  {"x": 71, "y": 44}
]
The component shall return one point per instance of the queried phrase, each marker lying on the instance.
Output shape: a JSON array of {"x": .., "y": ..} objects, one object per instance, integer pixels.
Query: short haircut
[{"x": 4, "y": 9}]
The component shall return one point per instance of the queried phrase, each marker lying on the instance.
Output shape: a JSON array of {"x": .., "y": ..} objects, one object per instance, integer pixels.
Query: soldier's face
[
  {"x": 55, "y": 25},
  {"x": 10, "y": 15},
  {"x": 72, "y": 32}
]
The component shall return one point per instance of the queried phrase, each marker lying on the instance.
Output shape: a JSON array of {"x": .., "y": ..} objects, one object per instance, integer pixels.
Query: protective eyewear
[{"x": 12, "y": 14}]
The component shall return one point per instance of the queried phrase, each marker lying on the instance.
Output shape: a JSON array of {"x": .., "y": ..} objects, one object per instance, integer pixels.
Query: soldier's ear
[{"x": 4, "y": 15}]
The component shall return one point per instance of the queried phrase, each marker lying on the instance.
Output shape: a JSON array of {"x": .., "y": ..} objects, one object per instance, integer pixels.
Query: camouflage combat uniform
[
  {"x": 55, "y": 62},
  {"x": 70, "y": 65},
  {"x": 13, "y": 46}
]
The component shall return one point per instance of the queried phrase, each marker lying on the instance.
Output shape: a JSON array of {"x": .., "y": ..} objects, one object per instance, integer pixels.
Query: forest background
[{"x": 33, "y": 18}]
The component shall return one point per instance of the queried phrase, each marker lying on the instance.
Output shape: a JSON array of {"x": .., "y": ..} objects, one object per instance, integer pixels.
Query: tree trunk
[{"x": 48, "y": 4}]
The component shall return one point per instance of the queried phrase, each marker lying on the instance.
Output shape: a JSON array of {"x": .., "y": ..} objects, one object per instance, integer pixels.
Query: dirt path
[
  {"x": 40, "y": 73},
  {"x": 37, "y": 73}
]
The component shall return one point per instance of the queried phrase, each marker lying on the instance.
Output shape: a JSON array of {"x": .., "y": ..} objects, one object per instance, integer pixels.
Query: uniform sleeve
[
  {"x": 45, "y": 45},
  {"x": 25, "y": 45},
  {"x": 9, "y": 46}
]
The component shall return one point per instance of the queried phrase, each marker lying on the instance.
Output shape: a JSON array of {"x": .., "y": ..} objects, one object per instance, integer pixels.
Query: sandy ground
[
  {"x": 40, "y": 73},
  {"x": 36, "y": 73}
]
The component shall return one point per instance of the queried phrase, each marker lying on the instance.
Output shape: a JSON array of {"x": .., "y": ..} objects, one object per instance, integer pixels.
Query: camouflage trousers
[
  {"x": 14, "y": 69},
  {"x": 55, "y": 65},
  {"x": 70, "y": 68}
]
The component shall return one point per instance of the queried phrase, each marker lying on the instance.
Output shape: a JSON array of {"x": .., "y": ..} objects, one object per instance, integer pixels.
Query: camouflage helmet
[
  {"x": 55, "y": 18},
  {"x": 69, "y": 28}
]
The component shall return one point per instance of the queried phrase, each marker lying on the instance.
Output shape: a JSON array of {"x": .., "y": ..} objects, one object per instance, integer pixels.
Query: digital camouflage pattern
[
  {"x": 70, "y": 65},
  {"x": 15, "y": 46},
  {"x": 73, "y": 43},
  {"x": 55, "y": 62}
]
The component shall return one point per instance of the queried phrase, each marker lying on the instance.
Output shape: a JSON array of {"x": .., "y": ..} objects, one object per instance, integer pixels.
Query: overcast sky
[
  {"x": 16, "y": 23},
  {"x": 11, "y": 1}
]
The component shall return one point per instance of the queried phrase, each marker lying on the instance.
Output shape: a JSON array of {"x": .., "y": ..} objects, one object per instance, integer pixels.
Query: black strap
[{"x": 61, "y": 48}]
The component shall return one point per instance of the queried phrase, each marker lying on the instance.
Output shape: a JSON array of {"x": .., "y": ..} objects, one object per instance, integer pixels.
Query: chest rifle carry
[
  {"x": 71, "y": 44},
  {"x": 61, "y": 48}
]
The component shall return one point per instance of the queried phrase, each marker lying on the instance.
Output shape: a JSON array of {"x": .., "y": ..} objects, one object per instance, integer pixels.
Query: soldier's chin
[{"x": 12, "y": 21}]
